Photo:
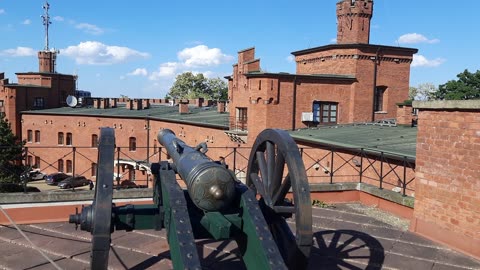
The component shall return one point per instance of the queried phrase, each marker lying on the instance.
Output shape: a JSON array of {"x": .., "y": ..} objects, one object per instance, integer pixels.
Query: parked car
[
  {"x": 77, "y": 181},
  {"x": 35, "y": 175},
  {"x": 55, "y": 178}
]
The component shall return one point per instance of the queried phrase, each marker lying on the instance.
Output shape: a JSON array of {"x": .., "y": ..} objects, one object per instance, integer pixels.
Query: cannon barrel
[{"x": 210, "y": 185}]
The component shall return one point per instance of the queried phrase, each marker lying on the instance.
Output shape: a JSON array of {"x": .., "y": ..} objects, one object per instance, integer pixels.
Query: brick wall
[{"x": 447, "y": 205}]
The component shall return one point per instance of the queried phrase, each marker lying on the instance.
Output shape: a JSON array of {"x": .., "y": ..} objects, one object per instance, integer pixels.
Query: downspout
[
  {"x": 375, "y": 61},
  {"x": 148, "y": 145},
  {"x": 294, "y": 103}
]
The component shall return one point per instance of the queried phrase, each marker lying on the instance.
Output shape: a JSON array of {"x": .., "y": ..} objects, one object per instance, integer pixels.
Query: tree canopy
[
  {"x": 11, "y": 150},
  {"x": 466, "y": 87},
  {"x": 190, "y": 86},
  {"x": 424, "y": 91}
]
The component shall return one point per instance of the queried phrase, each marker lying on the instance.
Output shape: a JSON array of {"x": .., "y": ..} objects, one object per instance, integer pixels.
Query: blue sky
[{"x": 135, "y": 48}]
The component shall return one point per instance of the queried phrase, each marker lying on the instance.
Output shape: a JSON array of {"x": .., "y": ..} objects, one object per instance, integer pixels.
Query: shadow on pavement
[{"x": 346, "y": 249}]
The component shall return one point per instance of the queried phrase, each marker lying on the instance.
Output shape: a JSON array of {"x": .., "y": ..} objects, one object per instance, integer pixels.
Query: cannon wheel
[
  {"x": 272, "y": 181},
  {"x": 101, "y": 227}
]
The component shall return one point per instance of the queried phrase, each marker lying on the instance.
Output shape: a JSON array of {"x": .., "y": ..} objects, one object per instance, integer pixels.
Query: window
[
  {"x": 29, "y": 160},
  {"x": 94, "y": 140},
  {"x": 37, "y": 136},
  {"x": 37, "y": 162},
  {"x": 1, "y": 103},
  {"x": 60, "y": 138},
  {"x": 241, "y": 119},
  {"x": 379, "y": 98},
  {"x": 94, "y": 169},
  {"x": 29, "y": 135},
  {"x": 69, "y": 166},
  {"x": 38, "y": 103},
  {"x": 60, "y": 165},
  {"x": 259, "y": 85},
  {"x": 69, "y": 138},
  {"x": 325, "y": 112},
  {"x": 132, "y": 144}
]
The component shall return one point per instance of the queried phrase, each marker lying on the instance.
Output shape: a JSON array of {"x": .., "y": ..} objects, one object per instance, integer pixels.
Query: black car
[
  {"x": 77, "y": 181},
  {"x": 55, "y": 178}
]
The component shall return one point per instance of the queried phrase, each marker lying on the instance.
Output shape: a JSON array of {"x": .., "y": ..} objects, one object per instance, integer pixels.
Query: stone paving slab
[{"x": 345, "y": 237}]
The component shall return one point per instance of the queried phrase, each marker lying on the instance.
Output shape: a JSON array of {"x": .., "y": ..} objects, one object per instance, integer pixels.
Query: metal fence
[{"x": 332, "y": 165}]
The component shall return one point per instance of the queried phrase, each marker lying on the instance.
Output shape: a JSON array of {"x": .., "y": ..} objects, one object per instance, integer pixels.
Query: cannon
[{"x": 258, "y": 215}]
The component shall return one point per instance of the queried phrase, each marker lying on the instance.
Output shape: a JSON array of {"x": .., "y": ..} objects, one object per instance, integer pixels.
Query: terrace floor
[{"x": 346, "y": 236}]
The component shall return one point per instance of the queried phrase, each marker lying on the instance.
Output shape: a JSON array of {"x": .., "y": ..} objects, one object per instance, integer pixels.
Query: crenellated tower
[{"x": 353, "y": 21}]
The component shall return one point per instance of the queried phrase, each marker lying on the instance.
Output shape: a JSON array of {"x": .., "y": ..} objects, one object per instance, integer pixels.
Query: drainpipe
[
  {"x": 148, "y": 145},
  {"x": 375, "y": 62},
  {"x": 294, "y": 103}
]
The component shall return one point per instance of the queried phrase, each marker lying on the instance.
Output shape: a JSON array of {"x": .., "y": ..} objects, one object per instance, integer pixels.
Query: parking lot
[{"x": 42, "y": 186}]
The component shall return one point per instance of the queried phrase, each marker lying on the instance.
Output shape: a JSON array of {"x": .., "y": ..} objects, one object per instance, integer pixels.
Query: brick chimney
[
  {"x": 129, "y": 104},
  {"x": 113, "y": 102},
  {"x": 405, "y": 115},
  {"x": 137, "y": 104},
  {"x": 221, "y": 106},
  {"x": 183, "y": 108},
  {"x": 104, "y": 103},
  {"x": 96, "y": 103},
  {"x": 145, "y": 103}
]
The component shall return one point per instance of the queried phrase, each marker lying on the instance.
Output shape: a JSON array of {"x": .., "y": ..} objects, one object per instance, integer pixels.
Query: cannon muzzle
[{"x": 210, "y": 185}]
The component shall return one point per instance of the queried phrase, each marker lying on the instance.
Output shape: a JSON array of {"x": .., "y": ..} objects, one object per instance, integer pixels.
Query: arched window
[
  {"x": 94, "y": 140},
  {"x": 60, "y": 165},
  {"x": 69, "y": 166},
  {"x": 60, "y": 138},
  {"x": 69, "y": 138},
  {"x": 37, "y": 136},
  {"x": 132, "y": 144}
]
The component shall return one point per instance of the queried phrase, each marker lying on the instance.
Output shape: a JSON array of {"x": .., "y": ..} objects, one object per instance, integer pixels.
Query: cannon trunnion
[{"x": 215, "y": 205}]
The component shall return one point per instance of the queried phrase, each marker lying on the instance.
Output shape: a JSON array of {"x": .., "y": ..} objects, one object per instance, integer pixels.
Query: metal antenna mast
[{"x": 46, "y": 22}]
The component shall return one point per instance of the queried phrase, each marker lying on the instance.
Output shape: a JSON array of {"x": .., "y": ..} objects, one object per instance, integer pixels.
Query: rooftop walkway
[{"x": 347, "y": 236}]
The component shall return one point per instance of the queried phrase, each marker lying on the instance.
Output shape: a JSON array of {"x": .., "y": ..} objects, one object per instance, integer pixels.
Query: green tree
[
  {"x": 218, "y": 88},
  {"x": 466, "y": 87},
  {"x": 190, "y": 86},
  {"x": 424, "y": 91},
  {"x": 11, "y": 153}
]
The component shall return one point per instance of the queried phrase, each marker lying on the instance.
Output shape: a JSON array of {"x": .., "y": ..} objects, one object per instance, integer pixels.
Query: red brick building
[
  {"x": 35, "y": 90},
  {"x": 351, "y": 81}
]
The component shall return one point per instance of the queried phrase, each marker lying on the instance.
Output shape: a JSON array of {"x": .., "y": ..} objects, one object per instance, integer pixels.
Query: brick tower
[
  {"x": 46, "y": 61},
  {"x": 353, "y": 21}
]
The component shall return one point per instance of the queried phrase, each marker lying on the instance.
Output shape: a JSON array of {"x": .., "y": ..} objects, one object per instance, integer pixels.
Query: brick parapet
[{"x": 448, "y": 173}]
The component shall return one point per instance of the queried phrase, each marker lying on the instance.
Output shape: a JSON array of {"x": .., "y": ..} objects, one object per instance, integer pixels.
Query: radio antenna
[{"x": 46, "y": 23}]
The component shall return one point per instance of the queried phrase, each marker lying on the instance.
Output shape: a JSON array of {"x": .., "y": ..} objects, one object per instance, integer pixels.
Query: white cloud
[
  {"x": 18, "y": 52},
  {"x": 333, "y": 40},
  {"x": 27, "y": 22},
  {"x": 2, "y": 11},
  {"x": 290, "y": 58},
  {"x": 413, "y": 38},
  {"x": 422, "y": 61},
  {"x": 90, "y": 28},
  {"x": 197, "y": 57},
  {"x": 201, "y": 55},
  {"x": 166, "y": 70},
  {"x": 138, "y": 72},
  {"x": 97, "y": 53},
  {"x": 58, "y": 18}
]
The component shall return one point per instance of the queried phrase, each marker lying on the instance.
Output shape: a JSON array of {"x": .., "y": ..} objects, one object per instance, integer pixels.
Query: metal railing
[{"x": 323, "y": 165}]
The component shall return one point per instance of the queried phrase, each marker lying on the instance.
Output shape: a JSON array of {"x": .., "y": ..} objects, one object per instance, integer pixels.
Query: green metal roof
[
  {"x": 205, "y": 116},
  {"x": 399, "y": 141}
]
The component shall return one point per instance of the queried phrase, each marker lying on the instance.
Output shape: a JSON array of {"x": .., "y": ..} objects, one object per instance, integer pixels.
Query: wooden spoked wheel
[
  {"x": 277, "y": 174},
  {"x": 101, "y": 211}
]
